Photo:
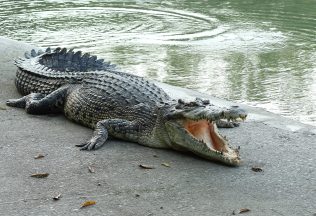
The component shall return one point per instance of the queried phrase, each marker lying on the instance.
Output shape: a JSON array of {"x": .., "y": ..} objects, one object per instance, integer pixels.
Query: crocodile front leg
[
  {"x": 118, "y": 128},
  {"x": 226, "y": 124},
  {"x": 37, "y": 104},
  {"x": 231, "y": 115}
]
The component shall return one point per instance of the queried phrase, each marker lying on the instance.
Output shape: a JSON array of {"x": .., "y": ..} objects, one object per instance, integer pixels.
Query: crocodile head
[{"x": 191, "y": 126}]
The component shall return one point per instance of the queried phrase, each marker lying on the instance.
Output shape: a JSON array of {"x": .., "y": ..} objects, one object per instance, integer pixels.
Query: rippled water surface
[{"x": 262, "y": 53}]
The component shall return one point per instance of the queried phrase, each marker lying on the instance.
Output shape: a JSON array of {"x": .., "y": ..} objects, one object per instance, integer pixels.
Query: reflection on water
[{"x": 257, "y": 52}]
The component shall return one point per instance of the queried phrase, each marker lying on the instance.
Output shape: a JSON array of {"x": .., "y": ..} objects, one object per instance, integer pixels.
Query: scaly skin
[{"x": 121, "y": 105}]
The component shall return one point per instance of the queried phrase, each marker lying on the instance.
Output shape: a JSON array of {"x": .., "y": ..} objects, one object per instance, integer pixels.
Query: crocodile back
[{"x": 113, "y": 96}]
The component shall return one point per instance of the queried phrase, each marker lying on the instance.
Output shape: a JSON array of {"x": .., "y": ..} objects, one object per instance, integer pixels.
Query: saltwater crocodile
[{"x": 121, "y": 105}]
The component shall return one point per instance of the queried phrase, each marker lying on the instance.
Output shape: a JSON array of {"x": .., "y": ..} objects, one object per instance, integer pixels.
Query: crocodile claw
[
  {"x": 86, "y": 146},
  {"x": 93, "y": 144},
  {"x": 80, "y": 145}
]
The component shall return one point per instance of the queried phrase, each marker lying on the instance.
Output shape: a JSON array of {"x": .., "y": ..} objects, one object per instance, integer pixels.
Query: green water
[{"x": 261, "y": 53}]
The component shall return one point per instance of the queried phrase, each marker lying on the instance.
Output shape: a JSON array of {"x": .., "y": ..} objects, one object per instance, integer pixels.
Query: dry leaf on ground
[
  {"x": 244, "y": 210},
  {"x": 40, "y": 175},
  {"x": 91, "y": 169},
  {"x": 257, "y": 169},
  {"x": 165, "y": 164},
  {"x": 88, "y": 203},
  {"x": 146, "y": 166},
  {"x": 57, "y": 197},
  {"x": 39, "y": 156},
  {"x": 240, "y": 211}
]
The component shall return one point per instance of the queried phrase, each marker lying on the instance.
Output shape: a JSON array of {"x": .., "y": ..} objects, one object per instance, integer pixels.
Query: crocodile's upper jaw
[{"x": 202, "y": 138}]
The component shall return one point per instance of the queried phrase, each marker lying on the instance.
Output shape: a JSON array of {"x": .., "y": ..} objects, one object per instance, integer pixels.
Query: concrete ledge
[{"x": 283, "y": 148}]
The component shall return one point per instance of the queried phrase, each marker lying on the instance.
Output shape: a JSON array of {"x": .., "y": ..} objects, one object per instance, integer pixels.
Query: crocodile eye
[
  {"x": 180, "y": 101},
  {"x": 178, "y": 106},
  {"x": 205, "y": 102}
]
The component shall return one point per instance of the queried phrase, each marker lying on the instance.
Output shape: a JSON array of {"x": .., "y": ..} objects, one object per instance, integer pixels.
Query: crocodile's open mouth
[
  {"x": 207, "y": 133},
  {"x": 204, "y": 134}
]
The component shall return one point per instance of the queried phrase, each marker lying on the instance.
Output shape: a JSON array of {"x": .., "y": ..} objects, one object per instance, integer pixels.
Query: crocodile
[{"x": 113, "y": 103}]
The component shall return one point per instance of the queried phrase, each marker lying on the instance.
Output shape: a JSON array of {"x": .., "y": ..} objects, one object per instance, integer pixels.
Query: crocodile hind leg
[
  {"x": 116, "y": 127},
  {"x": 36, "y": 103},
  {"x": 21, "y": 102}
]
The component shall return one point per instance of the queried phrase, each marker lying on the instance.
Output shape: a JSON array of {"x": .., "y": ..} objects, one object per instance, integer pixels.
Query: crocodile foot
[
  {"x": 93, "y": 144},
  {"x": 20, "y": 103},
  {"x": 100, "y": 135},
  {"x": 24, "y": 101}
]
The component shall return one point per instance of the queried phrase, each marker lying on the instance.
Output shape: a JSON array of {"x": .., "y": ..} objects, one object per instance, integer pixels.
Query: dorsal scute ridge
[{"x": 63, "y": 60}]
